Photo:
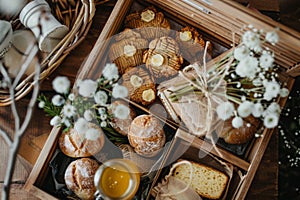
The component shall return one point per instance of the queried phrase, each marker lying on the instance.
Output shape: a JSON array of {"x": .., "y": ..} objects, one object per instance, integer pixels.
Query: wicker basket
[{"x": 77, "y": 16}]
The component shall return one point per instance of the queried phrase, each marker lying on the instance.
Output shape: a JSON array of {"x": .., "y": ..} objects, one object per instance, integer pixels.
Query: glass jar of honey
[{"x": 117, "y": 179}]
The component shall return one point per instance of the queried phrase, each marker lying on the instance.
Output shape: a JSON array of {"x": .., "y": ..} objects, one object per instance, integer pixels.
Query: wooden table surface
[{"x": 265, "y": 183}]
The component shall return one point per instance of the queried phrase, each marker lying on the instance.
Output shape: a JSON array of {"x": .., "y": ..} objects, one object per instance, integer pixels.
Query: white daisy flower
[
  {"x": 251, "y": 39},
  {"x": 88, "y": 115},
  {"x": 55, "y": 121},
  {"x": 71, "y": 97},
  {"x": 41, "y": 104},
  {"x": 258, "y": 110},
  {"x": 266, "y": 61},
  {"x": 81, "y": 125},
  {"x": 61, "y": 84},
  {"x": 87, "y": 88},
  {"x": 272, "y": 89},
  {"x": 103, "y": 116},
  {"x": 245, "y": 109},
  {"x": 101, "y": 97},
  {"x": 103, "y": 124},
  {"x": 110, "y": 71},
  {"x": 272, "y": 37},
  {"x": 101, "y": 110},
  {"x": 121, "y": 112},
  {"x": 237, "y": 122},
  {"x": 271, "y": 120},
  {"x": 284, "y": 92},
  {"x": 274, "y": 108},
  {"x": 119, "y": 91},
  {"x": 247, "y": 67},
  {"x": 92, "y": 134},
  {"x": 241, "y": 52},
  {"x": 225, "y": 110},
  {"x": 58, "y": 100},
  {"x": 69, "y": 110}
]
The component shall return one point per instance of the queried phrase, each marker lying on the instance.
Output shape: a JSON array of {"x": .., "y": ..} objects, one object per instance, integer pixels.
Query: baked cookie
[
  {"x": 146, "y": 135},
  {"x": 127, "y": 51},
  {"x": 149, "y": 22},
  {"x": 141, "y": 87},
  {"x": 76, "y": 145},
  {"x": 192, "y": 45},
  {"x": 163, "y": 58}
]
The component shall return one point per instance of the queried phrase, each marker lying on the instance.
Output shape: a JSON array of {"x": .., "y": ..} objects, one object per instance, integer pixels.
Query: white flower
[
  {"x": 251, "y": 39},
  {"x": 266, "y": 61},
  {"x": 69, "y": 110},
  {"x": 58, "y": 100},
  {"x": 55, "y": 121},
  {"x": 88, "y": 115},
  {"x": 284, "y": 92},
  {"x": 272, "y": 37},
  {"x": 103, "y": 116},
  {"x": 103, "y": 124},
  {"x": 225, "y": 110},
  {"x": 121, "y": 111},
  {"x": 247, "y": 67},
  {"x": 273, "y": 108},
  {"x": 272, "y": 89},
  {"x": 41, "y": 104},
  {"x": 258, "y": 110},
  {"x": 245, "y": 109},
  {"x": 119, "y": 91},
  {"x": 71, "y": 97},
  {"x": 237, "y": 122},
  {"x": 271, "y": 120},
  {"x": 110, "y": 71},
  {"x": 101, "y": 97},
  {"x": 61, "y": 84},
  {"x": 92, "y": 134},
  {"x": 101, "y": 110},
  {"x": 87, "y": 88},
  {"x": 81, "y": 125},
  {"x": 241, "y": 52}
]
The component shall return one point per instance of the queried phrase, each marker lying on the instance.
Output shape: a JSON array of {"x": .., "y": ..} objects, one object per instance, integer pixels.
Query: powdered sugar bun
[{"x": 76, "y": 145}]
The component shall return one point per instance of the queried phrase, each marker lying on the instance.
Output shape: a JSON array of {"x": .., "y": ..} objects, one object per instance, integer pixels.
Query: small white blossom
[
  {"x": 245, "y": 109},
  {"x": 81, "y": 125},
  {"x": 88, "y": 115},
  {"x": 103, "y": 124},
  {"x": 251, "y": 39},
  {"x": 69, "y": 110},
  {"x": 101, "y": 97},
  {"x": 273, "y": 108},
  {"x": 61, "y": 84},
  {"x": 258, "y": 110},
  {"x": 237, "y": 122},
  {"x": 241, "y": 52},
  {"x": 284, "y": 92},
  {"x": 58, "y": 100},
  {"x": 272, "y": 89},
  {"x": 71, "y": 97},
  {"x": 266, "y": 61},
  {"x": 55, "y": 121},
  {"x": 101, "y": 110},
  {"x": 103, "y": 116},
  {"x": 87, "y": 88},
  {"x": 272, "y": 37},
  {"x": 110, "y": 71},
  {"x": 119, "y": 91},
  {"x": 247, "y": 67},
  {"x": 225, "y": 110},
  {"x": 41, "y": 104},
  {"x": 121, "y": 112},
  {"x": 271, "y": 120}
]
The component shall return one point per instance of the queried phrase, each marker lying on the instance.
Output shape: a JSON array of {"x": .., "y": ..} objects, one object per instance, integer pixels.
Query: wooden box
[{"x": 217, "y": 20}]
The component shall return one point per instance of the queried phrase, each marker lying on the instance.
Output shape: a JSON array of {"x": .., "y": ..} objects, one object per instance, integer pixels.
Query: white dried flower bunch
[{"x": 88, "y": 102}]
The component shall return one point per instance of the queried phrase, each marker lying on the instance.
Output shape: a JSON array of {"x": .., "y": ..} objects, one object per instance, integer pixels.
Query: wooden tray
[{"x": 217, "y": 20}]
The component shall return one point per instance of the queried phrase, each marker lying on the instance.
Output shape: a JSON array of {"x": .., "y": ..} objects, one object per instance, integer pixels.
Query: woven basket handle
[{"x": 90, "y": 4}]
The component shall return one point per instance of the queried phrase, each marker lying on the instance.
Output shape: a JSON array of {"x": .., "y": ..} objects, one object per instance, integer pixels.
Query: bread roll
[
  {"x": 78, "y": 145},
  {"x": 207, "y": 182},
  {"x": 79, "y": 177},
  {"x": 240, "y": 135},
  {"x": 146, "y": 135}
]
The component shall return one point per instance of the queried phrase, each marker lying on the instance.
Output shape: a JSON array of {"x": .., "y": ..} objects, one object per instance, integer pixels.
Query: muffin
[
  {"x": 141, "y": 87},
  {"x": 76, "y": 145},
  {"x": 149, "y": 22},
  {"x": 146, "y": 135},
  {"x": 192, "y": 45},
  {"x": 79, "y": 177},
  {"x": 121, "y": 125},
  {"x": 162, "y": 58},
  {"x": 127, "y": 51}
]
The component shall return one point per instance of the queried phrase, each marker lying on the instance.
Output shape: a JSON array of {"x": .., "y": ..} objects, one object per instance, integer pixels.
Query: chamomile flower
[
  {"x": 271, "y": 120},
  {"x": 101, "y": 97},
  {"x": 58, "y": 100},
  {"x": 61, "y": 84},
  {"x": 272, "y": 37},
  {"x": 258, "y": 110},
  {"x": 121, "y": 112},
  {"x": 266, "y": 61},
  {"x": 251, "y": 39},
  {"x": 245, "y": 109},
  {"x": 69, "y": 110},
  {"x": 284, "y": 92},
  {"x": 225, "y": 110},
  {"x": 272, "y": 89},
  {"x": 241, "y": 52},
  {"x": 247, "y": 67},
  {"x": 119, "y": 91},
  {"x": 110, "y": 71},
  {"x": 87, "y": 88}
]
